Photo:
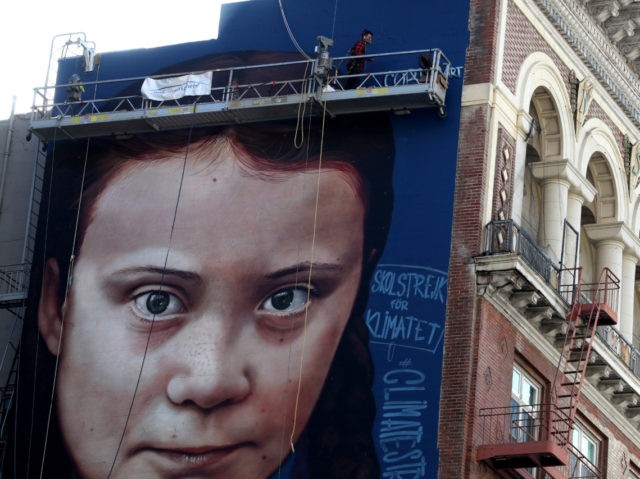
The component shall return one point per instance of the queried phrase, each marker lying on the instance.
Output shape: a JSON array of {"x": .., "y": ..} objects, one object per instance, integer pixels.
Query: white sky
[{"x": 29, "y": 26}]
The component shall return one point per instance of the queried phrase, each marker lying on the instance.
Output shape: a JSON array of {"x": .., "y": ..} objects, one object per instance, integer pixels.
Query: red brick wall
[
  {"x": 456, "y": 408},
  {"x": 483, "y": 24},
  {"x": 505, "y": 160},
  {"x": 480, "y": 345}
]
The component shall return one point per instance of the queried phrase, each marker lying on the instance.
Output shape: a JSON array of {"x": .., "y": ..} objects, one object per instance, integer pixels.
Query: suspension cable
[
  {"x": 63, "y": 313},
  {"x": 37, "y": 342},
  {"x": 309, "y": 276},
  {"x": 153, "y": 319},
  {"x": 290, "y": 359},
  {"x": 335, "y": 14},
  {"x": 293, "y": 40}
]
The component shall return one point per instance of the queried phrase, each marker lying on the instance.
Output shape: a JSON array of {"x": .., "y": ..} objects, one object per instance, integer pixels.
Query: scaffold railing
[{"x": 237, "y": 93}]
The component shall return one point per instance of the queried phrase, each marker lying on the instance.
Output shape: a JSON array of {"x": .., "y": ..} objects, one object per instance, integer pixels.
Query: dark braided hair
[{"x": 339, "y": 430}]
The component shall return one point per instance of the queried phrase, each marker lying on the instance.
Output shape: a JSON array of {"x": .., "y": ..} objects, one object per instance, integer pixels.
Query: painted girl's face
[{"x": 202, "y": 344}]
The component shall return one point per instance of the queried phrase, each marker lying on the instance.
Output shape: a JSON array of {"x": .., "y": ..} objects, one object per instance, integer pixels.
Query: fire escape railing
[
  {"x": 579, "y": 467},
  {"x": 14, "y": 282},
  {"x": 603, "y": 292},
  {"x": 519, "y": 425},
  {"x": 506, "y": 236},
  {"x": 522, "y": 426}
]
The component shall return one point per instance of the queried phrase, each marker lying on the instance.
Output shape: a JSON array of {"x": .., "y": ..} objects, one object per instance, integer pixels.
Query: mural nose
[{"x": 212, "y": 378}]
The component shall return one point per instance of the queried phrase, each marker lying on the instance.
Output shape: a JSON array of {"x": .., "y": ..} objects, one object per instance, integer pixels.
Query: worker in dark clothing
[
  {"x": 74, "y": 94},
  {"x": 426, "y": 65},
  {"x": 355, "y": 66},
  {"x": 75, "y": 88}
]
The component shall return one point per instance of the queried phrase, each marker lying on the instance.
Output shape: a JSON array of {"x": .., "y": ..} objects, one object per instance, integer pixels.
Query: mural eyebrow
[
  {"x": 159, "y": 271},
  {"x": 304, "y": 267}
]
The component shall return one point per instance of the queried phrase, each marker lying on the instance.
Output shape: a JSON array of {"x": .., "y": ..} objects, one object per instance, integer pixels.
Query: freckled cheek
[
  {"x": 101, "y": 361},
  {"x": 284, "y": 389}
]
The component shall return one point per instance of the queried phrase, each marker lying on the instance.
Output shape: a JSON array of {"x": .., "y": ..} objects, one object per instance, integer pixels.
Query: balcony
[
  {"x": 517, "y": 277},
  {"x": 518, "y": 439},
  {"x": 515, "y": 270}
]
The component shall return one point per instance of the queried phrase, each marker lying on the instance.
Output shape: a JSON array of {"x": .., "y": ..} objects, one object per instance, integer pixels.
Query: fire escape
[
  {"x": 520, "y": 441},
  {"x": 14, "y": 286}
]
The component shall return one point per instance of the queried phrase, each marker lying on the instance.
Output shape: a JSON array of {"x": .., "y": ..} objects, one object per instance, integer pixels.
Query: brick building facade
[{"x": 544, "y": 242}]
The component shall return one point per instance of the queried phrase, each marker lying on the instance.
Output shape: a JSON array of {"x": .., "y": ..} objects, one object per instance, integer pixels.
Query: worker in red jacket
[{"x": 356, "y": 66}]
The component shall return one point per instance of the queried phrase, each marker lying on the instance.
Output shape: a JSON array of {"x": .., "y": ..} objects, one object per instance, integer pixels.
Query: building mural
[{"x": 263, "y": 298}]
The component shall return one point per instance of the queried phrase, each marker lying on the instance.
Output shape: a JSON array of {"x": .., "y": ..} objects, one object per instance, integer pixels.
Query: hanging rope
[
  {"x": 37, "y": 342},
  {"x": 293, "y": 40},
  {"x": 309, "y": 276},
  {"x": 283, "y": 438},
  {"x": 298, "y": 141},
  {"x": 66, "y": 294}
]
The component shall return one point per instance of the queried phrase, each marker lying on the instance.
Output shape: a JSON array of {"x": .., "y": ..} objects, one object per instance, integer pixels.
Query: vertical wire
[
  {"x": 37, "y": 353},
  {"x": 335, "y": 14},
  {"x": 153, "y": 319},
  {"x": 66, "y": 294},
  {"x": 309, "y": 276},
  {"x": 289, "y": 359}
]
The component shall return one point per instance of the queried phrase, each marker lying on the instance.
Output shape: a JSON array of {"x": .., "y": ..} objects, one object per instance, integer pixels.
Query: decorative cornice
[
  {"x": 592, "y": 45},
  {"x": 617, "y": 231},
  {"x": 565, "y": 171}
]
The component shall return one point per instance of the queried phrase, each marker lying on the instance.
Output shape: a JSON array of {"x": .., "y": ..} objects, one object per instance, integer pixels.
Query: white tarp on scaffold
[{"x": 176, "y": 87}]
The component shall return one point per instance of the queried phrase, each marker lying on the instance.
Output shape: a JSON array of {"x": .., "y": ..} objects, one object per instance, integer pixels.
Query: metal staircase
[
  {"x": 515, "y": 439},
  {"x": 593, "y": 305},
  {"x": 8, "y": 392},
  {"x": 14, "y": 287}
]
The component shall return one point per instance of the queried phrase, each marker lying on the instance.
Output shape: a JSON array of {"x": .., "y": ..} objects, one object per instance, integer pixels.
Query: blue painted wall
[{"x": 406, "y": 310}]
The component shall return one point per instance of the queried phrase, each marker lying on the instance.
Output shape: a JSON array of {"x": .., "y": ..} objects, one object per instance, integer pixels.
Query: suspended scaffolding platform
[{"x": 272, "y": 94}]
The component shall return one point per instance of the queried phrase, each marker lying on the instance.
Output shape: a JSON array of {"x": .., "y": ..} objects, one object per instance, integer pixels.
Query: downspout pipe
[{"x": 5, "y": 154}]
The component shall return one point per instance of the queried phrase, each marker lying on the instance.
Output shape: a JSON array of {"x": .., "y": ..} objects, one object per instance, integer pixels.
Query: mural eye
[
  {"x": 287, "y": 300},
  {"x": 155, "y": 303}
]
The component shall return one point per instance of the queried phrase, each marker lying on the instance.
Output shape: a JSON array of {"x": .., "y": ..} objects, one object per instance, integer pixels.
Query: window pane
[
  {"x": 590, "y": 451},
  {"x": 530, "y": 393},
  {"x": 515, "y": 383},
  {"x": 588, "y": 447},
  {"x": 523, "y": 389}
]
